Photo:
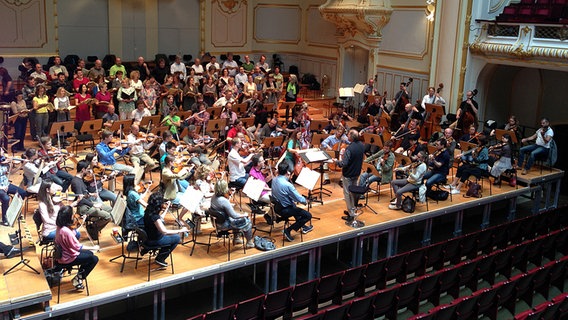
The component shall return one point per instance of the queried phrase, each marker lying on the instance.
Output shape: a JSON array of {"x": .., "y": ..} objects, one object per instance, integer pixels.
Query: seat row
[
  {"x": 512, "y": 298},
  {"x": 411, "y": 294}
]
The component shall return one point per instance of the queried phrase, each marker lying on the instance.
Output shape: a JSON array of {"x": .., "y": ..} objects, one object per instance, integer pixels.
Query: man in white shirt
[
  {"x": 140, "y": 112},
  {"x": 179, "y": 66},
  {"x": 241, "y": 78},
  {"x": 262, "y": 64},
  {"x": 231, "y": 65},
  {"x": 213, "y": 63},
  {"x": 39, "y": 74},
  {"x": 432, "y": 97},
  {"x": 543, "y": 137},
  {"x": 237, "y": 171},
  {"x": 226, "y": 98},
  {"x": 138, "y": 151}
]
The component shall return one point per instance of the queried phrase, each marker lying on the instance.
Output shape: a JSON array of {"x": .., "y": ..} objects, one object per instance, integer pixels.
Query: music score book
[
  {"x": 191, "y": 199},
  {"x": 253, "y": 188},
  {"x": 308, "y": 178}
]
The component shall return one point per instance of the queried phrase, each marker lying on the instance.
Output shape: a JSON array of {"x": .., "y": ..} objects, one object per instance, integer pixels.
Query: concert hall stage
[{"x": 25, "y": 294}]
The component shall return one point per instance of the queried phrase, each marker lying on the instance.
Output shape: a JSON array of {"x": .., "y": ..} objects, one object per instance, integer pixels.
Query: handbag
[
  {"x": 438, "y": 195},
  {"x": 408, "y": 204},
  {"x": 264, "y": 243},
  {"x": 474, "y": 190}
]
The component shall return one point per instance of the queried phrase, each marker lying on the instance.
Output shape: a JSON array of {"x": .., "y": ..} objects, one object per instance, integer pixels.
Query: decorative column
[{"x": 358, "y": 22}]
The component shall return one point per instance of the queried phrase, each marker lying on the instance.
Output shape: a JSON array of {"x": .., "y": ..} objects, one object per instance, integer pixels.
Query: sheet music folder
[{"x": 312, "y": 156}]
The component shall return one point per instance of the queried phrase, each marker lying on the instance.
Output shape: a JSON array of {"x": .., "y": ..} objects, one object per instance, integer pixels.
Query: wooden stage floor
[{"x": 107, "y": 283}]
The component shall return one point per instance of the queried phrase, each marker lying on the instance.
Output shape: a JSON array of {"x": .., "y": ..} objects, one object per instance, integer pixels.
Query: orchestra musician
[
  {"x": 172, "y": 191},
  {"x": 171, "y": 151},
  {"x": 197, "y": 145},
  {"x": 140, "y": 112},
  {"x": 7, "y": 188},
  {"x": 400, "y": 100},
  {"x": 167, "y": 136},
  {"x": 95, "y": 177},
  {"x": 60, "y": 177},
  {"x": 32, "y": 169},
  {"x": 106, "y": 153},
  {"x": 237, "y": 173},
  {"x": 89, "y": 204},
  {"x": 438, "y": 164},
  {"x": 73, "y": 252},
  {"x": 504, "y": 151},
  {"x": 467, "y": 113},
  {"x": 172, "y": 120},
  {"x": 138, "y": 150},
  {"x": 369, "y": 90},
  {"x": 351, "y": 165},
  {"x": 331, "y": 143},
  {"x": 406, "y": 134},
  {"x": 270, "y": 129},
  {"x": 226, "y": 98},
  {"x": 158, "y": 234},
  {"x": 48, "y": 206},
  {"x": 233, "y": 220},
  {"x": 473, "y": 164},
  {"x": 410, "y": 113},
  {"x": 416, "y": 171},
  {"x": 384, "y": 163},
  {"x": 432, "y": 97},
  {"x": 293, "y": 145},
  {"x": 109, "y": 117},
  {"x": 284, "y": 192},
  {"x": 543, "y": 136},
  {"x": 258, "y": 165},
  {"x": 471, "y": 135},
  {"x": 134, "y": 200}
]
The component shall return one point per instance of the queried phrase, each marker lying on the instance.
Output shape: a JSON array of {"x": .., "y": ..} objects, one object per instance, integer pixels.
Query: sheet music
[
  {"x": 346, "y": 92},
  {"x": 359, "y": 88},
  {"x": 253, "y": 188},
  {"x": 14, "y": 209},
  {"x": 118, "y": 209},
  {"x": 308, "y": 178},
  {"x": 315, "y": 156},
  {"x": 191, "y": 199}
]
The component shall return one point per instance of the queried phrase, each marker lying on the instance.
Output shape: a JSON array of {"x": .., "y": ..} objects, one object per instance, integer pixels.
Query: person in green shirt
[
  {"x": 116, "y": 67},
  {"x": 173, "y": 121},
  {"x": 248, "y": 65}
]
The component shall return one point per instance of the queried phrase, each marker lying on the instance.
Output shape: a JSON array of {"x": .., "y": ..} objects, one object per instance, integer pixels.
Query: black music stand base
[
  {"x": 25, "y": 262},
  {"x": 123, "y": 255}
]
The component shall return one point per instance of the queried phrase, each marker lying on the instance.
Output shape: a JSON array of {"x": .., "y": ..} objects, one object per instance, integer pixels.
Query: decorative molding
[
  {"x": 230, "y": 6},
  {"x": 496, "y": 6},
  {"x": 352, "y": 17},
  {"x": 264, "y": 32},
  {"x": 23, "y": 24}
]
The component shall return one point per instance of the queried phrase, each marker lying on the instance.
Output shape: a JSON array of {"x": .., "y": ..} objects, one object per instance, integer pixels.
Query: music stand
[
  {"x": 272, "y": 142},
  {"x": 466, "y": 146},
  {"x": 308, "y": 179},
  {"x": 500, "y": 132},
  {"x": 157, "y": 131},
  {"x": 402, "y": 159},
  {"x": 117, "y": 214},
  {"x": 214, "y": 112},
  {"x": 372, "y": 139},
  {"x": 286, "y": 106},
  {"x": 59, "y": 128},
  {"x": 184, "y": 115},
  {"x": 13, "y": 214},
  {"x": 147, "y": 119},
  {"x": 247, "y": 122},
  {"x": 124, "y": 124},
  {"x": 318, "y": 125},
  {"x": 216, "y": 126},
  {"x": 240, "y": 108},
  {"x": 320, "y": 157},
  {"x": 318, "y": 138}
]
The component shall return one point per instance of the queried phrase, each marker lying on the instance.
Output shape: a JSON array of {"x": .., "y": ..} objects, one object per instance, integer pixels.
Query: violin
[{"x": 497, "y": 146}]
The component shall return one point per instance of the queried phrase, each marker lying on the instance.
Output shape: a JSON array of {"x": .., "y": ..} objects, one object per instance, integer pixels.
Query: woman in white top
[
  {"x": 126, "y": 96},
  {"x": 61, "y": 104},
  {"x": 32, "y": 169},
  {"x": 49, "y": 205},
  {"x": 135, "y": 81}
]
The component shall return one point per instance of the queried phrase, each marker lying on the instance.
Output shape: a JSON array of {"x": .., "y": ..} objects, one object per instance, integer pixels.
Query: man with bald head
[
  {"x": 118, "y": 66},
  {"x": 142, "y": 67},
  {"x": 96, "y": 70},
  {"x": 39, "y": 75}
]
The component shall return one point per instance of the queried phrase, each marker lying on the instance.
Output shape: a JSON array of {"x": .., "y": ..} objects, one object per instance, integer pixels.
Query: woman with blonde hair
[
  {"x": 61, "y": 104},
  {"x": 292, "y": 88},
  {"x": 135, "y": 81},
  {"x": 233, "y": 220}
]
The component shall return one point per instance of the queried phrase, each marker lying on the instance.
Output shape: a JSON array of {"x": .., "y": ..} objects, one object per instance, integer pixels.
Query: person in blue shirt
[
  {"x": 106, "y": 153},
  {"x": 287, "y": 195}
]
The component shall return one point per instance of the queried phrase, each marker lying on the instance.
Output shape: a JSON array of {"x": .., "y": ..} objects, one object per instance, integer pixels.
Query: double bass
[
  {"x": 399, "y": 104},
  {"x": 467, "y": 118}
]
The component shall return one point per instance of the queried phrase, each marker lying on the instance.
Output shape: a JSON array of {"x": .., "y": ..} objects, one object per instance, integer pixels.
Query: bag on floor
[
  {"x": 52, "y": 276},
  {"x": 264, "y": 244},
  {"x": 438, "y": 195},
  {"x": 408, "y": 204},
  {"x": 474, "y": 190}
]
